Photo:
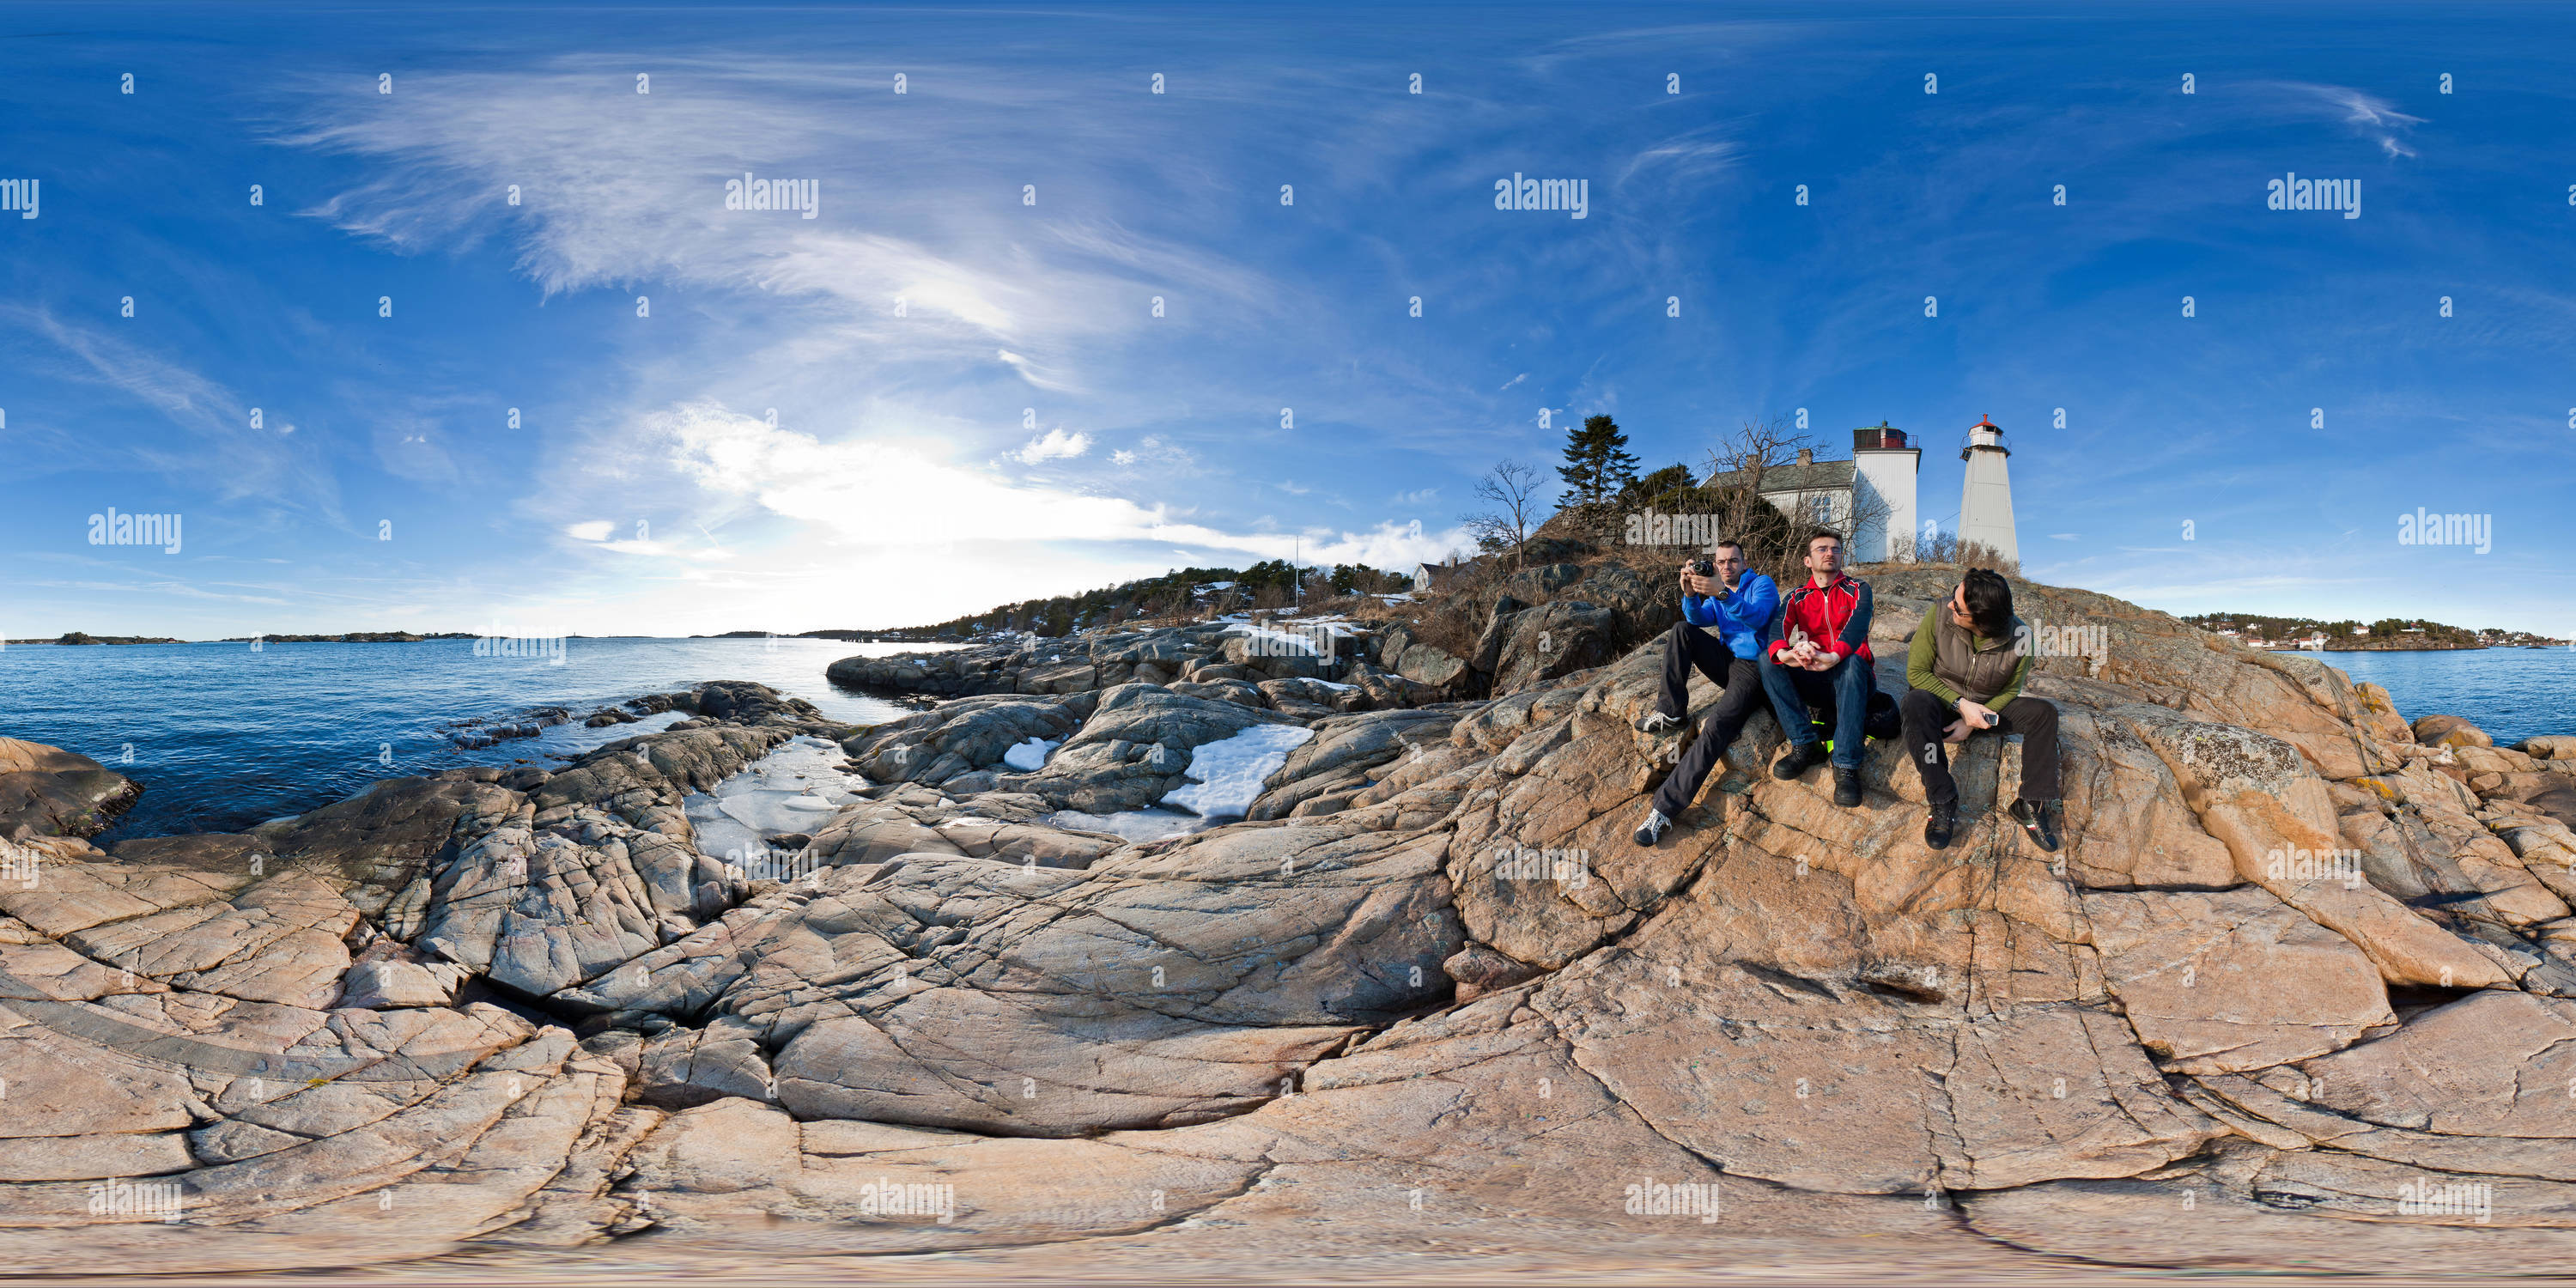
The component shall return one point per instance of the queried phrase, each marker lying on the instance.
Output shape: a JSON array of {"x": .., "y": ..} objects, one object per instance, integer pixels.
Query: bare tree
[
  {"x": 1512, "y": 489},
  {"x": 1739, "y": 465}
]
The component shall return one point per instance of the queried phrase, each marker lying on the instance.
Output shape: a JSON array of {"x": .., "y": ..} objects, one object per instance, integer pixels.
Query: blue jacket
[{"x": 1743, "y": 619}]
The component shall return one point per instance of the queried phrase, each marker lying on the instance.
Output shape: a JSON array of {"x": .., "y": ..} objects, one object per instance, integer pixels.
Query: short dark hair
[
  {"x": 1989, "y": 600},
  {"x": 1723, "y": 542},
  {"x": 1821, "y": 534}
]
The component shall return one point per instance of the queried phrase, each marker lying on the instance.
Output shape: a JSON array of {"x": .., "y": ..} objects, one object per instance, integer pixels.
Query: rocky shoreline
[{"x": 2302, "y": 969}]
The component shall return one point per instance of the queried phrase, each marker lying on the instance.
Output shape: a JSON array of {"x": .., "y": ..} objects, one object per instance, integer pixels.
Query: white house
[
  {"x": 1878, "y": 482},
  {"x": 1440, "y": 576}
]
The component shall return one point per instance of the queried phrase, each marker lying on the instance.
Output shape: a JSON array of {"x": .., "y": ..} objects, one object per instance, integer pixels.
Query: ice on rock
[
  {"x": 1134, "y": 824},
  {"x": 720, "y": 837},
  {"x": 1225, "y": 775},
  {"x": 792, "y": 789},
  {"x": 1031, "y": 756}
]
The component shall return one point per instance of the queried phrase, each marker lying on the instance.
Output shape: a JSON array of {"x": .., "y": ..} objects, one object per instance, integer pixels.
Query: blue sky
[{"x": 975, "y": 402}]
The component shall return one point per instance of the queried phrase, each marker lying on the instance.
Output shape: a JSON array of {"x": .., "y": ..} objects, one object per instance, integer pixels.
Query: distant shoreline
[{"x": 2427, "y": 648}]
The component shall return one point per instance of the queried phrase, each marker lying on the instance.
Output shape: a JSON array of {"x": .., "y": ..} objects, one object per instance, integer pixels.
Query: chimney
[{"x": 1806, "y": 456}]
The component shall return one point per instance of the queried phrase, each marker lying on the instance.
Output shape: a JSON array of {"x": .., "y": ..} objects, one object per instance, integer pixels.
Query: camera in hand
[{"x": 1703, "y": 566}]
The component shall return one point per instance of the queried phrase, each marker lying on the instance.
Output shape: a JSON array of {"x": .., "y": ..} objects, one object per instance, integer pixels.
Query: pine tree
[{"x": 1597, "y": 463}]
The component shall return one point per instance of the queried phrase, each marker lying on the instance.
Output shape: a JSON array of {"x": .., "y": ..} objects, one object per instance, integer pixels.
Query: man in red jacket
[{"x": 1821, "y": 655}]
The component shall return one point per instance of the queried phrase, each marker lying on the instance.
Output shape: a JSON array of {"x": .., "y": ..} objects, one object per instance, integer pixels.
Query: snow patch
[
  {"x": 1134, "y": 824},
  {"x": 1031, "y": 756},
  {"x": 1278, "y": 643},
  {"x": 1225, "y": 775}
]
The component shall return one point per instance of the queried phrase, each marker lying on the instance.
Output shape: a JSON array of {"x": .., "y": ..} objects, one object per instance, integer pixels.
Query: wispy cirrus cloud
[
  {"x": 215, "y": 444},
  {"x": 2367, "y": 115},
  {"x": 1694, "y": 157}
]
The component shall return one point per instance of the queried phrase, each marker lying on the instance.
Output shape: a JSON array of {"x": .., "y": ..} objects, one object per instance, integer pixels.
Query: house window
[{"x": 1820, "y": 510}]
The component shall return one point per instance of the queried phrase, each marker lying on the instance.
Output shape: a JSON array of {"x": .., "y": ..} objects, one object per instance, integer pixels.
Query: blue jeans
[{"x": 1846, "y": 686}]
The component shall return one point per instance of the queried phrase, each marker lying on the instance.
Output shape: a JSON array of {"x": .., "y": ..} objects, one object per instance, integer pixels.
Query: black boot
[
  {"x": 1800, "y": 759},
  {"x": 2042, "y": 820},
  {"x": 1944, "y": 820},
  {"x": 1846, "y": 787}
]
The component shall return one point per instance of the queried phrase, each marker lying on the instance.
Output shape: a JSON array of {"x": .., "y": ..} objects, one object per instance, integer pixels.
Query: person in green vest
[{"x": 1967, "y": 665}]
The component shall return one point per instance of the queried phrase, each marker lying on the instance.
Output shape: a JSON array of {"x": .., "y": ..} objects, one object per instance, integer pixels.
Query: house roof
[
  {"x": 1440, "y": 574},
  {"x": 1822, "y": 476}
]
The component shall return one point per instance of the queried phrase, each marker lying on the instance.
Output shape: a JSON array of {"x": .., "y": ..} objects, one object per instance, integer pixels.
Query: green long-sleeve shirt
[{"x": 1923, "y": 652}]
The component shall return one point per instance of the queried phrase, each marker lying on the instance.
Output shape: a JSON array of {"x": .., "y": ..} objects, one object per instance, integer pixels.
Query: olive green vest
[{"x": 1978, "y": 673}]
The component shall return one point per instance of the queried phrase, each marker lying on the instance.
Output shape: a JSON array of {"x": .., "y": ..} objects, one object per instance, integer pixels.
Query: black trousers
[
  {"x": 1686, "y": 648},
  {"x": 2035, "y": 719}
]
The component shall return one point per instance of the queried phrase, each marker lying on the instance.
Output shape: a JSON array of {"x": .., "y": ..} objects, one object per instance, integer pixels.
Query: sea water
[
  {"x": 223, "y": 738},
  {"x": 2511, "y": 693}
]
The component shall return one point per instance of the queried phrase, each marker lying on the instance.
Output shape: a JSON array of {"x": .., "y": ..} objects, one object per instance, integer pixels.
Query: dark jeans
[
  {"x": 2035, "y": 719},
  {"x": 1685, "y": 648},
  {"x": 1845, "y": 688}
]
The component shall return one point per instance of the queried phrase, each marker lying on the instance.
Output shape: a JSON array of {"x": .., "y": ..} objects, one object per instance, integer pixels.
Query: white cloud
[
  {"x": 873, "y": 492},
  {"x": 623, "y": 190},
  {"x": 219, "y": 446},
  {"x": 1293, "y": 489},
  {"x": 1691, "y": 156},
  {"x": 1054, "y": 445},
  {"x": 595, "y": 530},
  {"x": 1513, "y": 381},
  {"x": 1032, "y": 372},
  {"x": 1151, "y": 450},
  {"x": 1421, "y": 496},
  {"x": 2372, "y": 118},
  {"x": 2061, "y": 536}
]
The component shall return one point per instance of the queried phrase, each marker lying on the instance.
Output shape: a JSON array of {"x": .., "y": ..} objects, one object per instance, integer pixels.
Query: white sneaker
[
  {"x": 1658, "y": 722},
  {"x": 1652, "y": 830}
]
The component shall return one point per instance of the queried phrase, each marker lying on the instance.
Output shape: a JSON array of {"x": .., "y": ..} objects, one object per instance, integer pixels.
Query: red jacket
[{"x": 1836, "y": 617}]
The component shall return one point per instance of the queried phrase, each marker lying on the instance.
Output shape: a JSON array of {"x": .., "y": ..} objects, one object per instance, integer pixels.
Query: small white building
[
  {"x": 1441, "y": 576},
  {"x": 1877, "y": 484}
]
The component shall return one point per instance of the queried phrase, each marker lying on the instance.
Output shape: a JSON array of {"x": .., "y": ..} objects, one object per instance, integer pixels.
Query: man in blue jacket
[{"x": 1726, "y": 621}]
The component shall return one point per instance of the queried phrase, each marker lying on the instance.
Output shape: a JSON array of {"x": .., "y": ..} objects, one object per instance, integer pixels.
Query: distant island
[
  {"x": 84, "y": 637},
  {"x": 2387, "y": 635},
  {"x": 352, "y": 637}
]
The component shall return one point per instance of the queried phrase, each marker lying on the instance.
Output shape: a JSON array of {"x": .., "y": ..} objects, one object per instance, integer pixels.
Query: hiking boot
[
  {"x": 1846, "y": 787},
  {"x": 2043, "y": 820},
  {"x": 1800, "y": 759},
  {"x": 1944, "y": 820},
  {"x": 1659, "y": 722},
  {"x": 1650, "y": 832}
]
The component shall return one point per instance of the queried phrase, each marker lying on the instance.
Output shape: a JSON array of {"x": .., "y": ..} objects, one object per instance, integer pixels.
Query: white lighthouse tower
[
  {"x": 1883, "y": 470},
  {"x": 1985, "y": 500}
]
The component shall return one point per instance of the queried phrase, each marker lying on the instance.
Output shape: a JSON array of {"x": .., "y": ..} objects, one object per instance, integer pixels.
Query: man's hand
[
  {"x": 1819, "y": 660},
  {"x": 1957, "y": 731},
  {"x": 1978, "y": 715},
  {"x": 1698, "y": 585}
]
